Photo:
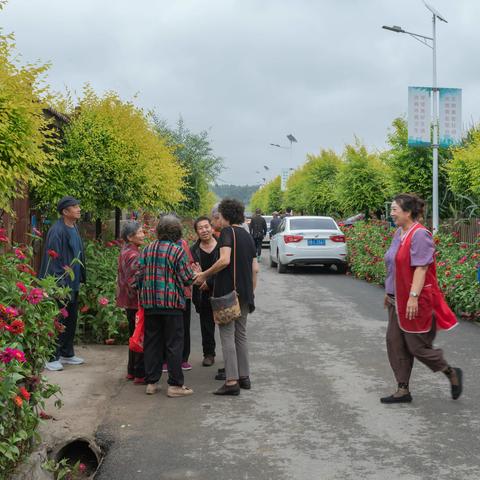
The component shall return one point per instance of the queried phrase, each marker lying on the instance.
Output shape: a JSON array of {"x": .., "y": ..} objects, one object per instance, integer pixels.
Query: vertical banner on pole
[
  {"x": 284, "y": 178},
  {"x": 450, "y": 116},
  {"x": 419, "y": 116}
]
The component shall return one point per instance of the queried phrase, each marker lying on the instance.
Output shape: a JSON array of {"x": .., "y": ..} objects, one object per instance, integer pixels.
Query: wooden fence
[{"x": 469, "y": 230}]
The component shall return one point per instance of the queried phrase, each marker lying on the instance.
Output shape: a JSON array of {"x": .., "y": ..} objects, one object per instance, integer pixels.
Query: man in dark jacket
[
  {"x": 274, "y": 224},
  {"x": 205, "y": 253},
  {"x": 64, "y": 248},
  {"x": 258, "y": 230}
]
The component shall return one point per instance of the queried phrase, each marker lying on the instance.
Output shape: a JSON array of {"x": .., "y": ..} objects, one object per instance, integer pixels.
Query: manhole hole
[{"x": 81, "y": 450}]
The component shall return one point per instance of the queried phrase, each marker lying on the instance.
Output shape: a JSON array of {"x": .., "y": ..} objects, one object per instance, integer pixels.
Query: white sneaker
[
  {"x": 72, "y": 360},
  {"x": 54, "y": 366}
]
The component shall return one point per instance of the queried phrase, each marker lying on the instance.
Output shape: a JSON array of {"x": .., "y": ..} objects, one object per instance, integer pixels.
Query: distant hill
[{"x": 240, "y": 192}]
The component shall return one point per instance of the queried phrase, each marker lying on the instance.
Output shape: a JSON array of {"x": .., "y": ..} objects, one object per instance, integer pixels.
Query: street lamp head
[
  {"x": 276, "y": 145},
  {"x": 291, "y": 138},
  {"x": 395, "y": 28}
]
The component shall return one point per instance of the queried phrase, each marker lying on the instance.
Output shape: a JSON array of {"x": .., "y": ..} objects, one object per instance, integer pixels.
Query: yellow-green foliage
[
  {"x": 268, "y": 198},
  {"x": 26, "y": 143},
  {"x": 464, "y": 168},
  {"x": 113, "y": 157}
]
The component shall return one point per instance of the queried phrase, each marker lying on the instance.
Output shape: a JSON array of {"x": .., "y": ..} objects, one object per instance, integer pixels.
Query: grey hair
[
  {"x": 130, "y": 228},
  {"x": 169, "y": 228}
]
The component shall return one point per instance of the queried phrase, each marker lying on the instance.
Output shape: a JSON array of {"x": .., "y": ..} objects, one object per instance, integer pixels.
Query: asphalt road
[{"x": 319, "y": 366}]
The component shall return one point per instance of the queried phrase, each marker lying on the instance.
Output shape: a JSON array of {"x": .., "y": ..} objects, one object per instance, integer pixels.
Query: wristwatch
[{"x": 414, "y": 294}]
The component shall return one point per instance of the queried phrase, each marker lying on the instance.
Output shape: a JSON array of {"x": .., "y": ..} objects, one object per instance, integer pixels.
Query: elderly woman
[
  {"x": 416, "y": 307},
  {"x": 164, "y": 272},
  {"x": 234, "y": 243},
  {"x": 127, "y": 294}
]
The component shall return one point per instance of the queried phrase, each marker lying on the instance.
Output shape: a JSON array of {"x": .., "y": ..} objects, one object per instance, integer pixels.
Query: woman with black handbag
[{"x": 233, "y": 298}]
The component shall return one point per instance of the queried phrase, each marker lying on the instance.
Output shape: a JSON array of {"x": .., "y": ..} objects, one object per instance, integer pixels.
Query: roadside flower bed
[
  {"x": 28, "y": 326},
  {"x": 457, "y": 263}
]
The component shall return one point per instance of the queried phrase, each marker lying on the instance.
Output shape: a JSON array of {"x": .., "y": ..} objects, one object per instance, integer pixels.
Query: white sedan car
[{"x": 308, "y": 241}]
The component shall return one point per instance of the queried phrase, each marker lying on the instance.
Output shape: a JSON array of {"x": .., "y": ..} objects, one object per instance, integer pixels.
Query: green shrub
[
  {"x": 28, "y": 323},
  {"x": 457, "y": 263}
]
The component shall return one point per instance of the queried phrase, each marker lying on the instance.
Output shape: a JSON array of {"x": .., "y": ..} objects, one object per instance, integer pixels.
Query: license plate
[{"x": 316, "y": 242}]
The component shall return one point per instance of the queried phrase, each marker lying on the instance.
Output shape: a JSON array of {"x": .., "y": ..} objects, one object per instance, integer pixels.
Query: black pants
[
  {"x": 187, "y": 314},
  {"x": 135, "y": 366},
  {"x": 66, "y": 338},
  {"x": 163, "y": 341},
  {"x": 207, "y": 326},
  {"x": 258, "y": 245}
]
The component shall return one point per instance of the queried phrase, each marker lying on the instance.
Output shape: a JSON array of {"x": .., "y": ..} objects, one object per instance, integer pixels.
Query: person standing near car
[
  {"x": 64, "y": 247},
  {"x": 274, "y": 224},
  {"x": 205, "y": 253},
  {"x": 258, "y": 230},
  {"x": 416, "y": 307}
]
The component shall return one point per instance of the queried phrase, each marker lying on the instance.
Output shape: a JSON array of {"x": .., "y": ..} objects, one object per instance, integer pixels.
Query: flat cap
[{"x": 66, "y": 202}]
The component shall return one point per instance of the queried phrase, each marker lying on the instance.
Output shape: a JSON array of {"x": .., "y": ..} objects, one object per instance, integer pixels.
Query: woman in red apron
[{"x": 416, "y": 307}]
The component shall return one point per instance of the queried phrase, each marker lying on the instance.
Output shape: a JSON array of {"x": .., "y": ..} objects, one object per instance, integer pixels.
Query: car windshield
[{"x": 312, "y": 224}]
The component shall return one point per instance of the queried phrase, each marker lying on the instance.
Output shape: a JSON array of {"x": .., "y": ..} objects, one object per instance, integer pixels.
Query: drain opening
[{"x": 83, "y": 451}]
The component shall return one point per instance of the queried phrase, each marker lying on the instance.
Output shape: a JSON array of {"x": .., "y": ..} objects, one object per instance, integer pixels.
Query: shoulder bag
[{"x": 226, "y": 308}]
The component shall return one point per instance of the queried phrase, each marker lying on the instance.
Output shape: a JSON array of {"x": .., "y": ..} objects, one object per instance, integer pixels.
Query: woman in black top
[{"x": 234, "y": 335}]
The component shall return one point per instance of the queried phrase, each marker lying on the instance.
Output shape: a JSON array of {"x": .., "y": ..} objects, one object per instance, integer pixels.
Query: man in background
[
  {"x": 274, "y": 224},
  {"x": 258, "y": 230}
]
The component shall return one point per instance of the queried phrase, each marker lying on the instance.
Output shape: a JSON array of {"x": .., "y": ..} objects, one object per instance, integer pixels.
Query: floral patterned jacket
[{"x": 128, "y": 267}]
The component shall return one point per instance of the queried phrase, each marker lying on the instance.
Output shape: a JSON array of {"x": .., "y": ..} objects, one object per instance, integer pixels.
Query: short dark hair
[
  {"x": 169, "y": 228},
  {"x": 201, "y": 219},
  {"x": 232, "y": 210},
  {"x": 258, "y": 211},
  {"x": 409, "y": 202},
  {"x": 130, "y": 228}
]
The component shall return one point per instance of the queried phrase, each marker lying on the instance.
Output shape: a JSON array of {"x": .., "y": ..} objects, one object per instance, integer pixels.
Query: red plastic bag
[{"x": 136, "y": 340}]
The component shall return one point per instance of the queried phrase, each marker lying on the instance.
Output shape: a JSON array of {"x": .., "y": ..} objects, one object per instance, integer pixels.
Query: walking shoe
[
  {"x": 245, "y": 383},
  {"x": 228, "y": 390},
  {"x": 164, "y": 368},
  {"x": 54, "y": 366},
  {"x": 221, "y": 375},
  {"x": 186, "y": 366},
  {"x": 130, "y": 376},
  {"x": 457, "y": 389},
  {"x": 151, "y": 389},
  {"x": 139, "y": 381},
  {"x": 407, "y": 398},
  {"x": 176, "y": 391},
  {"x": 72, "y": 360},
  {"x": 208, "y": 361}
]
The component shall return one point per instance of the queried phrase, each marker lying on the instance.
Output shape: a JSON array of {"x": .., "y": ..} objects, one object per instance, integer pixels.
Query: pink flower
[
  {"x": 82, "y": 468},
  {"x": 21, "y": 287},
  {"x": 3, "y": 238},
  {"x": 103, "y": 301},
  {"x": 36, "y": 232},
  {"x": 64, "y": 312},
  {"x": 19, "y": 254},
  {"x": 10, "y": 354},
  {"x": 35, "y": 296},
  {"x": 463, "y": 259}
]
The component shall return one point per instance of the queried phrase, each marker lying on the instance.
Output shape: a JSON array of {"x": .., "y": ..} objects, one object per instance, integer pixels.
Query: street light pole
[
  {"x": 435, "y": 215},
  {"x": 425, "y": 40}
]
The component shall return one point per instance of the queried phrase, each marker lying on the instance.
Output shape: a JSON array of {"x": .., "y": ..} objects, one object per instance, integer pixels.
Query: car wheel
[
  {"x": 281, "y": 268},
  {"x": 273, "y": 264},
  {"x": 341, "y": 268}
]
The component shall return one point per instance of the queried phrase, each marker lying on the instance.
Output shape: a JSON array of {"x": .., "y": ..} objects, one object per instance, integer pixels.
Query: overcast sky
[{"x": 252, "y": 71}]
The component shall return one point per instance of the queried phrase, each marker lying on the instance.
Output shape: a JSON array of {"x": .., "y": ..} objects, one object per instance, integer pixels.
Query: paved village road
[{"x": 319, "y": 366}]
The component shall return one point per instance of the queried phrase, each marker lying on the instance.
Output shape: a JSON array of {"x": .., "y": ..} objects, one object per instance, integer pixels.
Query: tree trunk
[
  {"x": 98, "y": 229},
  {"x": 118, "y": 218}
]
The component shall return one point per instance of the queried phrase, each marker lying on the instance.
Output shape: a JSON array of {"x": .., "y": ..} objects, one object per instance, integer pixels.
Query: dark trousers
[
  {"x": 135, "y": 366},
  {"x": 207, "y": 326},
  {"x": 163, "y": 341},
  {"x": 403, "y": 348},
  {"x": 187, "y": 314},
  {"x": 258, "y": 245},
  {"x": 66, "y": 338}
]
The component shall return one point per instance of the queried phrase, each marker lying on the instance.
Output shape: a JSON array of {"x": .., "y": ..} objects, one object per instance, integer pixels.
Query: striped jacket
[{"x": 164, "y": 271}]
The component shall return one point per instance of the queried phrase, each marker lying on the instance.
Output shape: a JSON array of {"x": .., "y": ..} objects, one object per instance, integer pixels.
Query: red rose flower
[
  {"x": 21, "y": 287},
  {"x": 53, "y": 254},
  {"x": 17, "y": 327},
  {"x": 84, "y": 309},
  {"x": 458, "y": 275},
  {"x": 25, "y": 393}
]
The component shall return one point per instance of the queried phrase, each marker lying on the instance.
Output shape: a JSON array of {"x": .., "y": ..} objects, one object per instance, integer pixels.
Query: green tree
[
  {"x": 27, "y": 142},
  {"x": 363, "y": 182},
  {"x": 195, "y": 153},
  {"x": 113, "y": 157}
]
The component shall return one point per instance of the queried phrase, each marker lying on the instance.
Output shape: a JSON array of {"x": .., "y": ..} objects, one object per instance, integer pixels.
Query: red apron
[{"x": 430, "y": 301}]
